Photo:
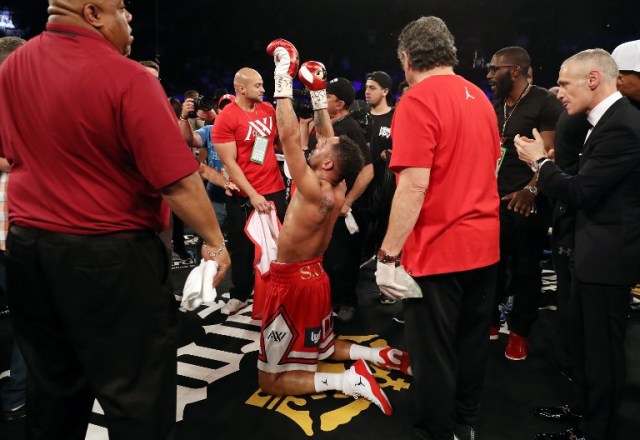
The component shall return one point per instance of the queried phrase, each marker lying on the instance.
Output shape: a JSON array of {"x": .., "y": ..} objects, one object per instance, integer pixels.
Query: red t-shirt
[
  {"x": 239, "y": 126},
  {"x": 89, "y": 134},
  {"x": 447, "y": 124}
]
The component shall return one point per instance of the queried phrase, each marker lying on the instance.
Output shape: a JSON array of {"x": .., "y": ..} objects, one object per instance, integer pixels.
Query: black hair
[
  {"x": 348, "y": 157},
  {"x": 516, "y": 55}
]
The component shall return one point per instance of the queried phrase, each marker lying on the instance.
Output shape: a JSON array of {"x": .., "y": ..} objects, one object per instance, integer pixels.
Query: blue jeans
[
  {"x": 14, "y": 389},
  {"x": 221, "y": 212}
]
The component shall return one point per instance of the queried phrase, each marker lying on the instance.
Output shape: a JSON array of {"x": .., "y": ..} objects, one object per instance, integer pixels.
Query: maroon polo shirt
[{"x": 89, "y": 134}]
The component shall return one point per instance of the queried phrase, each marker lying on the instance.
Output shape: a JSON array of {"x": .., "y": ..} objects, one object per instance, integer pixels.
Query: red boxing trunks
[{"x": 297, "y": 325}]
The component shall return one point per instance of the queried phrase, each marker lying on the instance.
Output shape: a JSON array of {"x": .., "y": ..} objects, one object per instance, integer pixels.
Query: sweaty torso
[{"x": 308, "y": 224}]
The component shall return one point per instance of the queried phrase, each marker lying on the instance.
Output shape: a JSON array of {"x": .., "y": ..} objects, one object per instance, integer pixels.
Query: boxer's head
[
  {"x": 107, "y": 17},
  {"x": 338, "y": 155}
]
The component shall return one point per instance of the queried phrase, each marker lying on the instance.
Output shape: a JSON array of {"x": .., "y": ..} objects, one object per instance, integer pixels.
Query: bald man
[
  {"x": 88, "y": 278},
  {"x": 243, "y": 136}
]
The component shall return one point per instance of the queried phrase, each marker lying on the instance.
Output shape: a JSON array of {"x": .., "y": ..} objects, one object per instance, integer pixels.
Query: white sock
[
  {"x": 367, "y": 353},
  {"x": 327, "y": 381}
]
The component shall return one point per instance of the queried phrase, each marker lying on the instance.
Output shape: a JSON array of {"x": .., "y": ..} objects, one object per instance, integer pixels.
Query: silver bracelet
[{"x": 213, "y": 254}]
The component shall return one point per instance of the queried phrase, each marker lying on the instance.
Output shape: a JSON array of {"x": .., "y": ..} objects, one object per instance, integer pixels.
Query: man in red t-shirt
[
  {"x": 444, "y": 219},
  {"x": 243, "y": 136},
  {"x": 93, "y": 175}
]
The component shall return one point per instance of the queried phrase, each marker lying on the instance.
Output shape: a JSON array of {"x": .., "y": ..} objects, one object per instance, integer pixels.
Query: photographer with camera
[
  {"x": 343, "y": 256},
  {"x": 196, "y": 112},
  {"x": 201, "y": 104},
  {"x": 211, "y": 165}
]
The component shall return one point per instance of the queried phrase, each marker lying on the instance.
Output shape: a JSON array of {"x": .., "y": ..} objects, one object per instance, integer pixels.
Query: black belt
[{"x": 33, "y": 234}]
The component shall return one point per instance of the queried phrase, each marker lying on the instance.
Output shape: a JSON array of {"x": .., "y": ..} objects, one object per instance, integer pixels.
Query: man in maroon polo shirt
[{"x": 88, "y": 283}]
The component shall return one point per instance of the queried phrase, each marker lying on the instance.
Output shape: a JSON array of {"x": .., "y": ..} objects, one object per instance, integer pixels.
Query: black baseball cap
[
  {"x": 381, "y": 78},
  {"x": 342, "y": 89}
]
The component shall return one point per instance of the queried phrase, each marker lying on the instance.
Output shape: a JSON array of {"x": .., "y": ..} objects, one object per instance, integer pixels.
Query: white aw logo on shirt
[{"x": 260, "y": 127}]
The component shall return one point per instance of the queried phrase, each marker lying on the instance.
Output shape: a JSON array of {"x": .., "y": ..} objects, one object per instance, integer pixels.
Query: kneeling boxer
[{"x": 297, "y": 328}]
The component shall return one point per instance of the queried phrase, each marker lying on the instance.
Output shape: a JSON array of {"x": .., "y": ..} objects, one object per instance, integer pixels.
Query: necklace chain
[{"x": 504, "y": 109}]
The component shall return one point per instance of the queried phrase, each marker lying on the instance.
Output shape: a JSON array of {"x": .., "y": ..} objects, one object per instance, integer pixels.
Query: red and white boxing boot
[
  {"x": 286, "y": 58},
  {"x": 313, "y": 75},
  {"x": 394, "y": 359},
  {"x": 358, "y": 382}
]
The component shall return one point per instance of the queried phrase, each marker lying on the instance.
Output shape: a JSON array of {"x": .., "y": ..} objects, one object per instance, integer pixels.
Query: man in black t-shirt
[
  {"x": 524, "y": 214},
  {"x": 378, "y": 196},
  {"x": 377, "y": 88},
  {"x": 342, "y": 257}
]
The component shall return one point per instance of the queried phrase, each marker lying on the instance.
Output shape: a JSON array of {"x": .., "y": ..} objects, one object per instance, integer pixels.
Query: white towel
[
  {"x": 263, "y": 230},
  {"x": 351, "y": 224},
  {"x": 198, "y": 288}
]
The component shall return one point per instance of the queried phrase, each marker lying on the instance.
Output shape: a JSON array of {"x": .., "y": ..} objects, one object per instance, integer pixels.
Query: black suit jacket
[{"x": 606, "y": 196}]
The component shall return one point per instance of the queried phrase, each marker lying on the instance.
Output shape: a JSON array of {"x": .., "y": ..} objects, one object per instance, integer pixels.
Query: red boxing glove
[
  {"x": 285, "y": 55},
  {"x": 314, "y": 76}
]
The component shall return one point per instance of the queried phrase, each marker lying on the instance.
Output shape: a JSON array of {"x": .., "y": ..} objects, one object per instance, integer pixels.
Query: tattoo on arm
[
  {"x": 280, "y": 118},
  {"x": 284, "y": 116},
  {"x": 319, "y": 119}
]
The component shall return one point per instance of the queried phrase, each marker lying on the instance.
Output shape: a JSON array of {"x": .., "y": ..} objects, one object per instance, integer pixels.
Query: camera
[
  {"x": 360, "y": 111},
  {"x": 301, "y": 103},
  {"x": 203, "y": 103}
]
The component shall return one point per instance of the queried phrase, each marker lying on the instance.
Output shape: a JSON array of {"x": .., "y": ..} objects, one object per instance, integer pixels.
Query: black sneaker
[
  {"x": 635, "y": 302},
  {"x": 15, "y": 414},
  {"x": 385, "y": 300},
  {"x": 465, "y": 432},
  {"x": 548, "y": 300},
  {"x": 399, "y": 317}
]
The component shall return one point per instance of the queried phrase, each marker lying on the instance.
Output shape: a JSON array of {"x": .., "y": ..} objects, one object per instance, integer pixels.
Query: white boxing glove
[{"x": 286, "y": 58}]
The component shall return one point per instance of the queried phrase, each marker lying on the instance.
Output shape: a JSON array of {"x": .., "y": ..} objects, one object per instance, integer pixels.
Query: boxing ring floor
[{"x": 219, "y": 398}]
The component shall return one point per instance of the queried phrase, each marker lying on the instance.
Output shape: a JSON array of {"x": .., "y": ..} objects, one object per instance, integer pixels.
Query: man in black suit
[{"x": 606, "y": 257}]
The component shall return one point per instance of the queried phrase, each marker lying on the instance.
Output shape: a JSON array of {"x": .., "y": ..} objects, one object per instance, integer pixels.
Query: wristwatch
[
  {"x": 385, "y": 258},
  {"x": 538, "y": 163},
  {"x": 532, "y": 189}
]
